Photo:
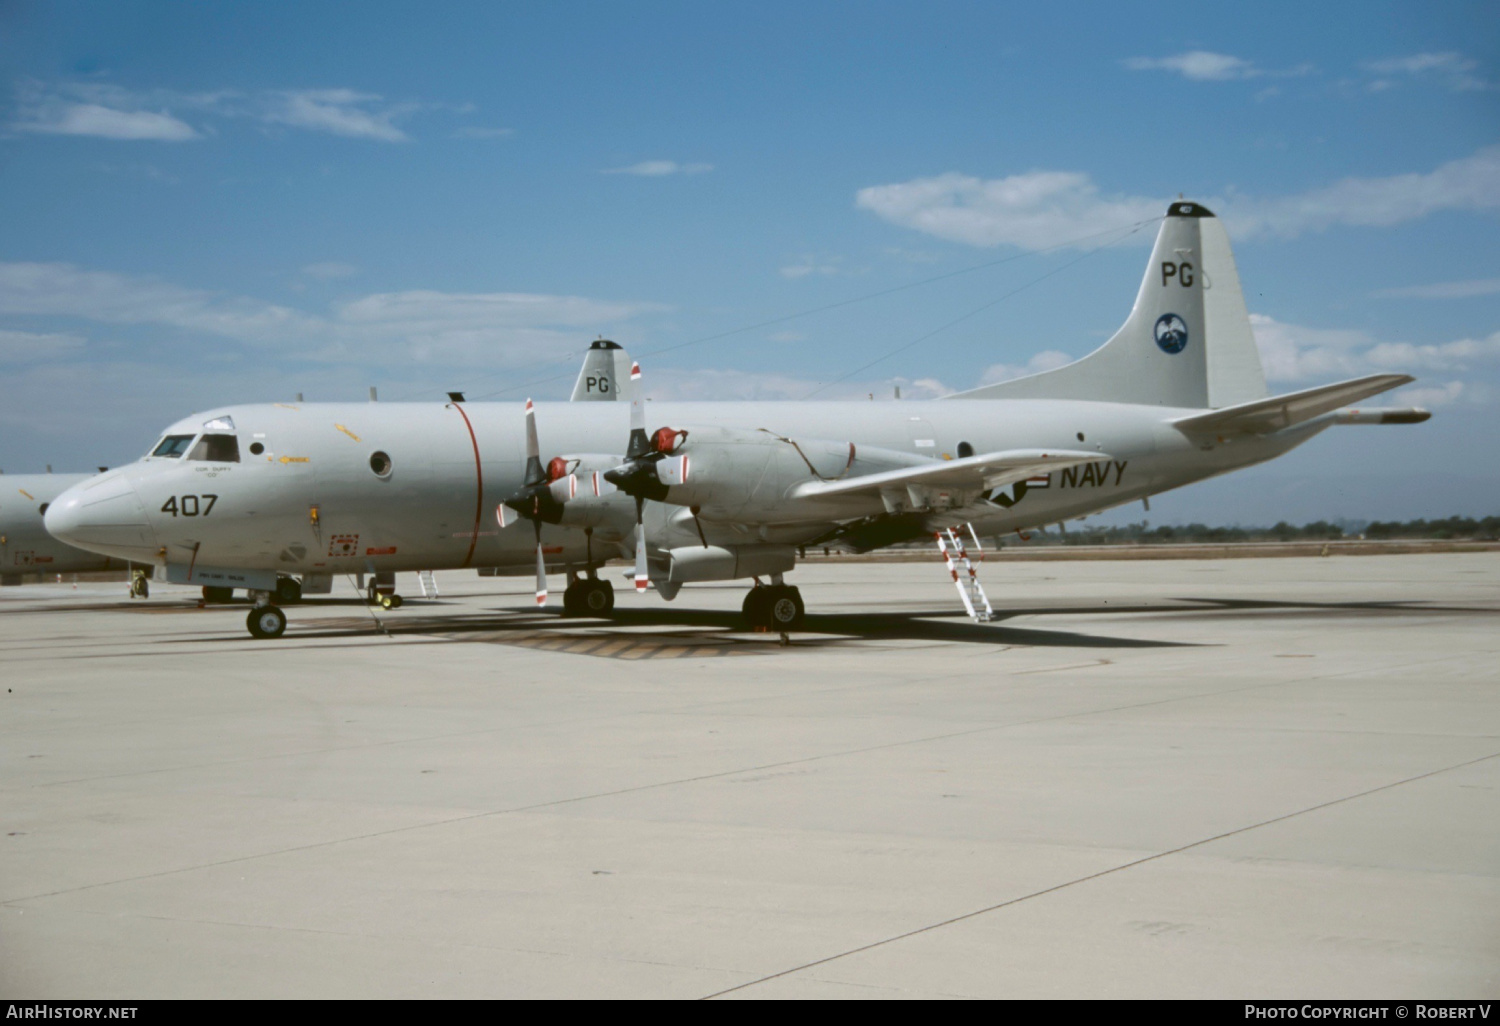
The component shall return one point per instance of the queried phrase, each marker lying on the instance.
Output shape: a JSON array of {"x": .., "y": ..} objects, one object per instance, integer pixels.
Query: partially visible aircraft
[
  {"x": 279, "y": 498},
  {"x": 25, "y": 545}
]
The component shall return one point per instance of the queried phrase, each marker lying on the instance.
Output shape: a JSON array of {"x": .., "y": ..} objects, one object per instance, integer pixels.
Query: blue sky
[{"x": 213, "y": 203}]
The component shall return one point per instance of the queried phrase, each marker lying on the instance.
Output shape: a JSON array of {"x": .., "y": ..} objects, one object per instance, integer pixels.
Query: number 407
[{"x": 189, "y": 505}]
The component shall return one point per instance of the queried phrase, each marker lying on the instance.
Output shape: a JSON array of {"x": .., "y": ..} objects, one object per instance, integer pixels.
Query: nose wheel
[
  {"x": 776, "y": 607},
  {"x": 266, "y": 622}
]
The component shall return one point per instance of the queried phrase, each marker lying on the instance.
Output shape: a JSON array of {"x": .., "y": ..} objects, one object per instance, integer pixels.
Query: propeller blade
[
  {"x": 640, "y": 445},
  {"x": 506, "y": 515},
  {"x": 534, "y": 472},
  {"x": 642, "y": 576},
  {"x": 541, "y": 569}
]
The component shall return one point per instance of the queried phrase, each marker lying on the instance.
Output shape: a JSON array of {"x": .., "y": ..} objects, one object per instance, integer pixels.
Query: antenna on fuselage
[{"x": 372, "y": 394}]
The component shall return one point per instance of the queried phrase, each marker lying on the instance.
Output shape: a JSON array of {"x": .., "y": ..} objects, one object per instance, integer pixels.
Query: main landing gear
[
  {"x": 266, "y": 622},
  {"x": 588, "y": 596},
  {"x": 776, "y": 607}
]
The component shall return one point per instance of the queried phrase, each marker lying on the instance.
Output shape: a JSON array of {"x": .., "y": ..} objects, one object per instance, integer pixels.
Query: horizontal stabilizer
[
  {"x": 972, "y": 473},
  {"x": 1264, "y": 416}
]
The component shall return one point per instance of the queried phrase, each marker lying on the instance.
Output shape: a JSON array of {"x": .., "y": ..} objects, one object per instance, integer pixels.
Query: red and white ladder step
[{"x": 955, "y": 554}]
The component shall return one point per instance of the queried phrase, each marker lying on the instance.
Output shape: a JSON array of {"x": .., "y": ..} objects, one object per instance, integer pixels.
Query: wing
[
  {"x": 971, "y": 474},
  {"x": 1264, "y": 416}
]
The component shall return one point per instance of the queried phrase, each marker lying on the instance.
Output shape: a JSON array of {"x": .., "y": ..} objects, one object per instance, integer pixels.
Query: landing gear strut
[
  {"x": 588, "y": 596},
  {"x": 776, "y": 607}
]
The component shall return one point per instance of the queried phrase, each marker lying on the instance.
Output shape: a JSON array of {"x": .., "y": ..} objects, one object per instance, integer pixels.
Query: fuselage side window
[
  {"x": 172, "y": 446},
  {"x": 216, "y": 449}
]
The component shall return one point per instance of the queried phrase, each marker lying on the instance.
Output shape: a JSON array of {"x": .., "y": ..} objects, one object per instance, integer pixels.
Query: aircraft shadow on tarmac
[{"x": 678, "y": 631}]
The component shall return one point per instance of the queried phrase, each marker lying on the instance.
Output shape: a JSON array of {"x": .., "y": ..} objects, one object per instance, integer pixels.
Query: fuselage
[
  {"x": 26, "y": 547},
  {"x": 325, "y": 488}
]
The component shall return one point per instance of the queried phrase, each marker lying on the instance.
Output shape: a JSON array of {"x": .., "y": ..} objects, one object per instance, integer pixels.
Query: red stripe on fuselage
[{"x": 478, "y": 484}]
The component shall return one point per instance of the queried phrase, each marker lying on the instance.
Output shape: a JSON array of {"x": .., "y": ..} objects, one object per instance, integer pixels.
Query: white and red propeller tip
[
  {"x": 642, "y": 577},
  {"x": 541, "y": 576},
  {"x": 635, "y": 372}
]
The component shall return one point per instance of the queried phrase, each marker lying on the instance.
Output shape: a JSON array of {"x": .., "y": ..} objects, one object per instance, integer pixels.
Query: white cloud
[
  {"x": 105, "y": 110},
  {"x": 1453, "y": 69},
  {"x": 809, "y": 264},
  {"x": 26, "y": 346},
  {"x": 479, "y": 328},
  {"x": 1295, "y": 353},
  {"x": 1429, "y": 396},
  {"x": 1033, "y": 210},
  {"x": 1469, "y": 183},
  {"x": 1040, "y": 209},
  {"x": 658, "y": 168},
  {"x": 1046, "y": 360},
  {"x": 58, "y": 117},
  {"x": 1206, "y": 66},
  {"x": 339, "y": 111},
  {"x": 1446, "y": 290}
]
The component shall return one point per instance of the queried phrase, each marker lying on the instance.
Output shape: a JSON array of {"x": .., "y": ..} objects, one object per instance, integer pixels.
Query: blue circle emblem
[{"x": 1171, "y": 333}]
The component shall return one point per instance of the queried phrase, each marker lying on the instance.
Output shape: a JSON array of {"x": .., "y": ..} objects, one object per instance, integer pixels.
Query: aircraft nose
[{"x": 103, "y": 514}]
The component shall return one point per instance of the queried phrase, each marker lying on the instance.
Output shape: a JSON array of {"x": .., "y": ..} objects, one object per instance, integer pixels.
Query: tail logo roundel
[{"x": 1171, "y": 333}]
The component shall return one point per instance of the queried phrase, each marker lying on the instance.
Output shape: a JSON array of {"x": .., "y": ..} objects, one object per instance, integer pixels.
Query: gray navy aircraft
[
  {"x": 26, "y": 547},
  {"x": 278, "y": 499}
]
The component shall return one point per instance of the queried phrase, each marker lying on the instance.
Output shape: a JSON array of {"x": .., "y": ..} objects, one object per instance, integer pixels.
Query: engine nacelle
[
  {"x": 731, "y": 472},
  {"x": 728, "y": 562},
  {"x": 595, "y": 500}
]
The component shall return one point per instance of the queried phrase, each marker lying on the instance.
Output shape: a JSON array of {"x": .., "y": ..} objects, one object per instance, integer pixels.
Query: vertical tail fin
[
  {"x": 1187, "y": 341},
  {"x": 606, "y": 368}
]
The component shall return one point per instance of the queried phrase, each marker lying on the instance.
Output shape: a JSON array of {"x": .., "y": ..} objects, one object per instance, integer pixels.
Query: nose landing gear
[{"x": 381, "y": 591}]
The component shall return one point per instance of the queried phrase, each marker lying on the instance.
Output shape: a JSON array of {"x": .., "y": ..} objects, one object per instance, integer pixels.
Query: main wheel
[
  {"x": 266, "y": 622},
  {"x": 573, "y": 599},
  {"x": 757, "y": 607},
  {"x": 597, "y": 598},
  {"x": 216, "y": 595},
  {"x": 785, "y": 608}
]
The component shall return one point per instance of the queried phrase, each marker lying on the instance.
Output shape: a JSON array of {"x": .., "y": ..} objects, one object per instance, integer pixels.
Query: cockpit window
[
  {"x": 216, "y": 449},
  {"x": 220, "y": 424},
  {"x": 172, "y": 446}
]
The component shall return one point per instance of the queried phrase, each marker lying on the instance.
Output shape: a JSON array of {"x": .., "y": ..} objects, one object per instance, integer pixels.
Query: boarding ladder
[
  {"x": 950, "y": 544},
  {"x": 428, "y": 583}
]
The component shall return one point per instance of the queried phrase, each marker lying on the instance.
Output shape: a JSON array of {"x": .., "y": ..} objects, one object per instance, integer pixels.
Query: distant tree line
[{"x": 1485, "y": 528}]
